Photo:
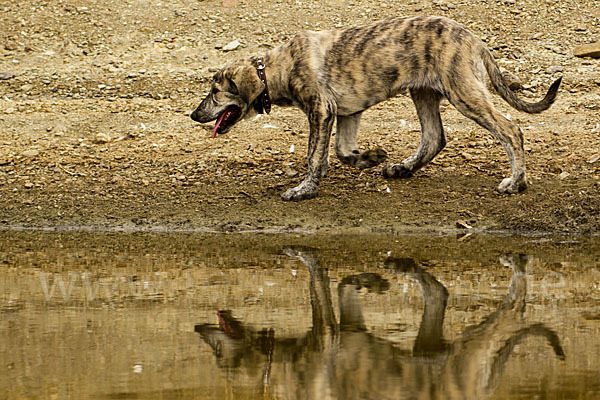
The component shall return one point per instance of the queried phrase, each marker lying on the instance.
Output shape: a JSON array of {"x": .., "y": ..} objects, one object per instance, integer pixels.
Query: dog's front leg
[{"x": 321, "y": 122}]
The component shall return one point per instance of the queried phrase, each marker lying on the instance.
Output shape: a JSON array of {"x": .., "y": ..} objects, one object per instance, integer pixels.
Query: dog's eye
[{"x": 215, "y": 90}]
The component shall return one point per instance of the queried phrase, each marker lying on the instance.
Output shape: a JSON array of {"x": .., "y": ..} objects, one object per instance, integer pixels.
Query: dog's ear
[{"x": 246, "y": 81}]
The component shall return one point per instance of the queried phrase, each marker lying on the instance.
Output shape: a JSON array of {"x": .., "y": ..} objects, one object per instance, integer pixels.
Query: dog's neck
[
  {"x": 264, "y": 99},
  {"x": 277, "y": 70}
]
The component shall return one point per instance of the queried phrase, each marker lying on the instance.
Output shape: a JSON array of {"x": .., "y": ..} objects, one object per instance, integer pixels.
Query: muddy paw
[
  {"x": 301, "y": 192},
  {"x": 508, "y": 186},
  {"x": 371, "y": 158},
  {"x": 396, "y": 171}
]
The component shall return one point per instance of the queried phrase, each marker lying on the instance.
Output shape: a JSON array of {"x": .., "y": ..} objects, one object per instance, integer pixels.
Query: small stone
[
  {"x": 102, "y": 138},
  {"x": 231, "y": 46},
  {"x": 513, "y": 81},
  {"x": 28, "y": 185},
  {"x": 9, "y": 111},
  {"x": 290, "y": 172},
  {"x": 587, "y": 50},
  {"x": 564, "y": 175},
  {"x": 554, "y": 69},
  {"x": 594, "y": 158},
  {"x": 6, "y": 76},
  {"x": 278, "y": 172},
  {"x": 463, "y": 225},
  {"x": 537, "y": 36},
  {"x": 30, "y": 153}
]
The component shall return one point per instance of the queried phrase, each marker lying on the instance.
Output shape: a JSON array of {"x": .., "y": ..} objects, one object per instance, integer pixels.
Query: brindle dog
[{"x": 335, "y": 75}]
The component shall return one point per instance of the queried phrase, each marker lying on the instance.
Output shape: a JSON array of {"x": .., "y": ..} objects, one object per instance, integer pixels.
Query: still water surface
[{"x": 132, "y": 315}]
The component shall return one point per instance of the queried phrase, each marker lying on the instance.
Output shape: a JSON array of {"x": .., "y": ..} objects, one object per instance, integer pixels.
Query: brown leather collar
[{"x": 264, "y": 99}]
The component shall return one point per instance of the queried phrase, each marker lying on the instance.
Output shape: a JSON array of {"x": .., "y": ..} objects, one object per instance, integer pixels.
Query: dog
[
  {"x": 340, "y": 358},
  {"x": 335, "y": 75}
]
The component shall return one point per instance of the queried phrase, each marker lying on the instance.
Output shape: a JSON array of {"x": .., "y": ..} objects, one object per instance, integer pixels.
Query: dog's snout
[{"x": 194, "y": 116}]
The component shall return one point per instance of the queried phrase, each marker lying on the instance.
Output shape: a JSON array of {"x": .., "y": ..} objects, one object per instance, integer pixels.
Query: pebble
[
  {"x": 587, "y": 50},
  {"x": 463, "y": 224},
  {"x": 6, "y": 76},
  {"x": 102, "y": 138},
  {"x": 231, "y": 46},
  {"x": 513, "y": 81},
  {"x": 30, "y": 153},
  {"x": 593, "y": 159},
  {"x": 554, "y": 69},
  {"x": 290, "y": 172}
]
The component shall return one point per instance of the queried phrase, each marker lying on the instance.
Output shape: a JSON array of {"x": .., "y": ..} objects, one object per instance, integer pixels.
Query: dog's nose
[{"x": 194, "y": 116}]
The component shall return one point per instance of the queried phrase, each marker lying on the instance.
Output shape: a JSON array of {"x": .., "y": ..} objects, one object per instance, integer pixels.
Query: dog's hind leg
[
  {"x": 433, "y": 140},
  {"x": 346, "y": 148},
  {"x": 473, "y": 102}
]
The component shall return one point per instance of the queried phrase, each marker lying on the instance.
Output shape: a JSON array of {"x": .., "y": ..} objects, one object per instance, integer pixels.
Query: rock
[
  {"x": 587, "y": 50},
  {"x": 463, "y": 225},
  {"x": 30, "y": 153},
  {"x": 102, "y": 138},
  {"x": 28, "y": 185},
  {"x": 554, "y": 69},
  {"x": 537, "y": 36},
  {"x": 564, "y": 175},
  {"x": 593, "y": 159},
  {"x": 231, "y": 46},
  {"x": 290, "y": 172},
  {"x": 513, "y": 81},
  {"x": 6, "y": 76}
]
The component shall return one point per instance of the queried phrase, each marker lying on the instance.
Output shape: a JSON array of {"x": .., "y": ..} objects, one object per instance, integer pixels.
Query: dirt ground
[{"x": 95, "y": 131}]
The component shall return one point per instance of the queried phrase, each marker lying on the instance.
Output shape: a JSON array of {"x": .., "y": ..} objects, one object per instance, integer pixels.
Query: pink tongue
[{"x": 221, "y": 118}]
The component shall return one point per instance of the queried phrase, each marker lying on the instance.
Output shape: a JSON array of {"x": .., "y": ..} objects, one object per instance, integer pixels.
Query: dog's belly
[{"x": 354, "y": 101}]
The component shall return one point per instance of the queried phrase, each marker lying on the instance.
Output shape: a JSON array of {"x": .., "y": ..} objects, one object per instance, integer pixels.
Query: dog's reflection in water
[{"x": 344, "y": 361}]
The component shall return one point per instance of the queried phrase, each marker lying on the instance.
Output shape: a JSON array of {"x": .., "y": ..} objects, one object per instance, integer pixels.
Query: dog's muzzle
[{"x": 194, "y": 116}]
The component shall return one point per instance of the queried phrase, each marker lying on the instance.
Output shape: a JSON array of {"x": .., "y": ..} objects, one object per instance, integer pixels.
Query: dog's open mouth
[{"x": 226, "y": 120}]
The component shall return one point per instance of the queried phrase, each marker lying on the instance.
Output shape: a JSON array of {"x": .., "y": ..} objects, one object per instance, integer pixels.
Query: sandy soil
[{"x": 94, "y": 126}]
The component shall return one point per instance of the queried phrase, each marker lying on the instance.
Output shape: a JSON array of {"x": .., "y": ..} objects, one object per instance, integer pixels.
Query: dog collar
[{"x": 264, "y": 99}]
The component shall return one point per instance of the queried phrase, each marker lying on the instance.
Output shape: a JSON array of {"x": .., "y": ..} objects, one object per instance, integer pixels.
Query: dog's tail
[{"x": 509, "y": 96}]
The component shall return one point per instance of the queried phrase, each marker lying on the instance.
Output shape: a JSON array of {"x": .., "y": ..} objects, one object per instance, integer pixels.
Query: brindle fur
[
  {"x": 333, "y": 76},
  {"x": 342, "y": 359}
]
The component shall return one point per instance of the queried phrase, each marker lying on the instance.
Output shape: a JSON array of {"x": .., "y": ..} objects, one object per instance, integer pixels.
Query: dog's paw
[
  {"x": 508, "y": 186},
  {"x": 371, "y": 158},
  {"x": 396, "y": 171},
  {"x": 301, "y": 192}
]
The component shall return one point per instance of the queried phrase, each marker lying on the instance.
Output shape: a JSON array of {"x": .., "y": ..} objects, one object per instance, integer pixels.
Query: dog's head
[{"x": 233, "y": 95}]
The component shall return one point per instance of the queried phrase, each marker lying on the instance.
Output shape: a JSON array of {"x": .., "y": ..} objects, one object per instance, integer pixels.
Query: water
[{"x": 140, "y": 315}]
